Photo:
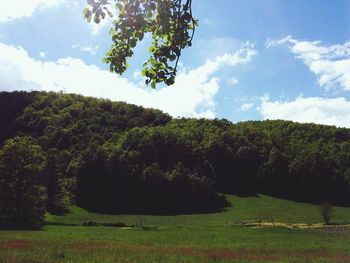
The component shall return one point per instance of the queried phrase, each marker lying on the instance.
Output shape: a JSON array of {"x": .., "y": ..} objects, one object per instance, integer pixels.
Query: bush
[{"x": 326, "y": 211}]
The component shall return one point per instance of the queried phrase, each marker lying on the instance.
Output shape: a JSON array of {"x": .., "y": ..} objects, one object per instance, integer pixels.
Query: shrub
[{"x": 326, "y": 211}]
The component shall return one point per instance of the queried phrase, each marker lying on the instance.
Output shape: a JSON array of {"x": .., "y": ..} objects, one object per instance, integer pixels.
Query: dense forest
[{"x": 115, "y": 157}]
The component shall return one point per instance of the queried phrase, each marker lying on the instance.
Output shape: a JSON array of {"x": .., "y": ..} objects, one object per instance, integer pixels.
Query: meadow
[{"x": 298, "y": 236}]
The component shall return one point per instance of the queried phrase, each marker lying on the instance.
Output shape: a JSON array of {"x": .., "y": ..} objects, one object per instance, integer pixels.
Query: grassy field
[{"x": 216, "y": 237}]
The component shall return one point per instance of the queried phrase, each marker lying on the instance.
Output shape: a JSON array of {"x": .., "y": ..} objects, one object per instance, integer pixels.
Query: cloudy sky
[{"x": 251, "y": 59}]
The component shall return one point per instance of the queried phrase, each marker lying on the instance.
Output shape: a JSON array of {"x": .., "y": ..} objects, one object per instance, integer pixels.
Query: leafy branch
[{"x": 170, "y": 22}]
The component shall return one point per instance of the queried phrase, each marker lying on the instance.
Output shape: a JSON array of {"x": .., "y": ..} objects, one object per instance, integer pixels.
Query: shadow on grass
[{"x": 216, "y": 204}]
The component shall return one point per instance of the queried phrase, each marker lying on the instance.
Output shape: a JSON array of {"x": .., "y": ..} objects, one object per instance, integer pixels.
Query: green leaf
[
  {"x": 119, "y": 6},
  {"x": 144, "y": 71},
  {"x": 133, "y": 42},
  {"x": 87, "y": 14},
  {"x": 97, "y": 19}
]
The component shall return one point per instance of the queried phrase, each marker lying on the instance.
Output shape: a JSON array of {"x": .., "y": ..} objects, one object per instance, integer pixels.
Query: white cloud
[
  {"x": 13, "y": 9},
  {"x": 331, "y": 64},
  {"x": 192, "y": 95},
  {"x": 232, "y": 82},
  {"x": 211, "y": 23},
  {"x": 274, "y": 43},
  {"x": 42, "y": 54},
  {"x": 92, "y": 50},
  {"x": 97, "y": 28},
  {"x": 246, "y": 107},
  {"x": 216, "y": 46},
  {"x": 137, "y": 75},
  {"x": 330, "y": 111}
]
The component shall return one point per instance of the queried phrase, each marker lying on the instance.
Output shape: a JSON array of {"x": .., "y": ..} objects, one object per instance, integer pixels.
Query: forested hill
[{"x": 115, "y": 157}]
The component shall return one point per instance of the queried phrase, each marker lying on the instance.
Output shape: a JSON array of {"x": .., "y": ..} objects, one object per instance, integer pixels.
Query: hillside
[{"x": 114, "y": 157}]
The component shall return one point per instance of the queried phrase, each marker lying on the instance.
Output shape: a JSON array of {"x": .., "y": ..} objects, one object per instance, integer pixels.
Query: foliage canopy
[
  {"x": 170, "y": 22},
  {"x": 117, "y": 157},
  {"x": 22, "y": 191}
]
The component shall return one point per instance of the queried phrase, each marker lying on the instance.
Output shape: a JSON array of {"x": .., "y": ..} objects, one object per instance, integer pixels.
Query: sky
[{"x": 250, "y": 59}]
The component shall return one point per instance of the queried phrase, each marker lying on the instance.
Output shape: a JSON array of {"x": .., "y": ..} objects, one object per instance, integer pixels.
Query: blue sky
[{"x": 251, "y": 59}]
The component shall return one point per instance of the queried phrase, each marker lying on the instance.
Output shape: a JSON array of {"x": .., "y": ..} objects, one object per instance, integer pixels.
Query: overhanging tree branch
[{"x": 170, "y": 22}]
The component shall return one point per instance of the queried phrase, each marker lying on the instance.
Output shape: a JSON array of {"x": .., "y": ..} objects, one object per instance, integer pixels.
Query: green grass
[
  {"x": 249, "y": 208},
  {"x": 185, "y": 238}
]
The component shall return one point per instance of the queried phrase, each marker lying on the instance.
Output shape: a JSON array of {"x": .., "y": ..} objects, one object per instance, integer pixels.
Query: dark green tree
[
  {"x": 170, "y": 22},
  {"x": 57, "y": 194},
  {"x": 115, "y": 157},
  {"x": 22, "y": 191}
]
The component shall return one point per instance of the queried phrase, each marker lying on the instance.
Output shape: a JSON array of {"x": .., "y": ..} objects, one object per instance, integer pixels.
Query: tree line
[{"x": 120, "y": 158}]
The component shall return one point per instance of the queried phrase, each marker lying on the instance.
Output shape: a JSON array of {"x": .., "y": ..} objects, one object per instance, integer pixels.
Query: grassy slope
[
  {"x": 249, "y": 208},
  {"x": 184, "y": 238}
]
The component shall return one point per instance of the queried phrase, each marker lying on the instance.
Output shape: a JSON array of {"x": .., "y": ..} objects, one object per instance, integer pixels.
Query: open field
[{"x": 216, "y": 237}]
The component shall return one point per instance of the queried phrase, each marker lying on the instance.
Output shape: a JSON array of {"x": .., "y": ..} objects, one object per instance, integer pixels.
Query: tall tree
[{"x": 22, "y": 194}]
